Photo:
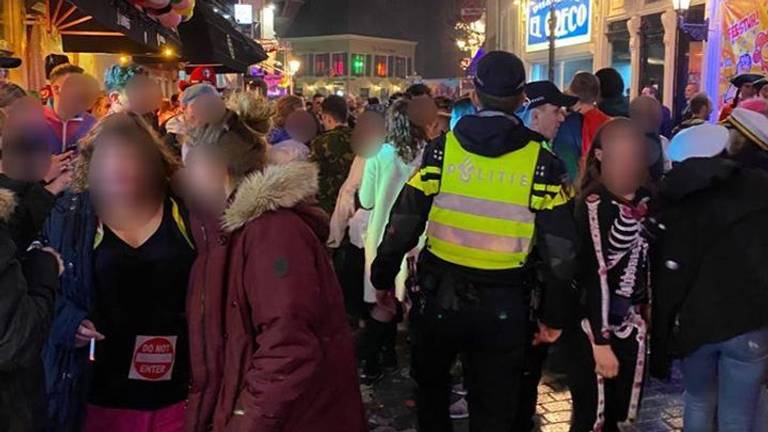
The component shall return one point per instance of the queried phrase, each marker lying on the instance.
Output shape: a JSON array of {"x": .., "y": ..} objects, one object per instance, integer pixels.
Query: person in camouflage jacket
[{"x": 332, "y": 151}]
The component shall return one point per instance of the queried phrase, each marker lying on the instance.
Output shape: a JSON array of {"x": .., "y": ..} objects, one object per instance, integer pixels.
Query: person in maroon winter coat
[{"x": 270, "y": 348}]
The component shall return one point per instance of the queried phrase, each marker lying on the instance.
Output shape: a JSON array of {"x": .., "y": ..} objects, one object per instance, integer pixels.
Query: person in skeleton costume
[{"x": 608, "y": 343}]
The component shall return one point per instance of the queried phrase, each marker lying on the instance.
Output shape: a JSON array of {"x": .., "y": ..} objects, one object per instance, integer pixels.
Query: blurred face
[
  {"x": 764, "y": 92},
  {"x": 121, "y": 172},
  {"x": 546, "y": 120},
  {"x": 204, "y": 109},
  {"x": 422, "y": 111},
  {"x": 142, "y": 95},
  {"x": 301, "y": 126},
  {"x": 368, "y": 134},
  {"x": 74, "y": 92},
  {"x": 207, "y": 179},
  {"x": 647, "y": 114},
  {"x": 26, "y": 156},
  {"x": 623, "y": 158}
]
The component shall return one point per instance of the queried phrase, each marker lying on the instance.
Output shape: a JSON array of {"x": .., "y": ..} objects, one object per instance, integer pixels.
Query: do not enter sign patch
[{"x": 153, "y": 358}]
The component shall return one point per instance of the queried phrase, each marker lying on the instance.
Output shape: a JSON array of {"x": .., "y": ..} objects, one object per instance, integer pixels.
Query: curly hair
[
  {"x": 117, "y": 76},
  {"x": 285, "y": 106},
  {"x": 406, "y": 137},
  {"x": 242, "y": 150},
  {"x": 132, "y": 129},
  {"x": 255, "y": 111}
]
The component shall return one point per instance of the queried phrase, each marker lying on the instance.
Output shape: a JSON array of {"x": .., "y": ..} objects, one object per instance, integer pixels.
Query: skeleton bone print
[{"x": 626, "y": 238}]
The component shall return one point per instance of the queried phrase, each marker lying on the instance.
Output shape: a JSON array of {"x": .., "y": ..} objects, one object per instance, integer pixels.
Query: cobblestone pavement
[{"x": 391, "y": 407}]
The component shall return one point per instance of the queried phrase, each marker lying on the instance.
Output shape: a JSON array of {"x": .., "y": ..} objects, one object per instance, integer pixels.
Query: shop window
[
  {"x": 322, "y": 64},
  {"x": 391, "y": 65},
  {"x": 401, "y": 70},
  {"x": 381, "y": 66},
  {"x": 690, "y": 56},
  {"x": 359, "y": 65},
  {"x": 339, "y": 66},
  {"x": 410, "y": 66},
  {"x": 621, "y": 58},
  {"x": 564, "y": 71},
  {"x": 368, "y": 65},
  {"x": 652, "y": 53}
]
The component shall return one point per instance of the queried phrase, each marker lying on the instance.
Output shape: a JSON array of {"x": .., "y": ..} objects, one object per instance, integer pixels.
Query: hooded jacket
[
  {"x": 710, "y": 279},
  {"x": 270, "y": 347},
  {"x": 491, "y": 134},
  {"x": 27, "y": 290}
]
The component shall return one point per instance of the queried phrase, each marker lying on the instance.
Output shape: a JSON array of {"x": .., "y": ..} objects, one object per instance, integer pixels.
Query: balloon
[{"x": 169, "y": 20}]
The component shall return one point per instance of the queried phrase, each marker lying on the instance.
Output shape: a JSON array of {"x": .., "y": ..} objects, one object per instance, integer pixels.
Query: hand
[
  {"x": 85, "y": 332},
  {"x": 385, "y": 299},
  {"x": 61, "y": 183},
  {"x": 56, "y": 255},
  {"x": 59, "y": 164},
  {"x": 546, "y": 335},
  {"x": 606, "y": 363}
]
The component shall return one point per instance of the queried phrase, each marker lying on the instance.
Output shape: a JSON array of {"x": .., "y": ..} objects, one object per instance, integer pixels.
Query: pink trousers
[{"x": 169, "y": 419}]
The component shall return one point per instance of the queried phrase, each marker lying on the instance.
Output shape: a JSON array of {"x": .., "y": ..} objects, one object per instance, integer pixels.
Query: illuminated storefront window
[
  {"x": 382, "y": 69},
  {"x": 359, "y": 65},
  {"x": 322, "y": 64},
  {"x": 339, "y": 64}
]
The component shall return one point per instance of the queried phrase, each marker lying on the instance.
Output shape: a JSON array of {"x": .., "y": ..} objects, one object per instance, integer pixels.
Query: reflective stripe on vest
[{"x": 481, "y": 217}]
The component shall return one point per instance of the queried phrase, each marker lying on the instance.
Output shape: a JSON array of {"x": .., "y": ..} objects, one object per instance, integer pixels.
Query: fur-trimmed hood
[
  {"x": 277, "y": 186},
  {"x": 7, "y": 204}
]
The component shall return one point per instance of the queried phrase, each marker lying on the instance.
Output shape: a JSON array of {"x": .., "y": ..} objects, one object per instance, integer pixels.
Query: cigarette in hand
[{"x": 92, "y": 352}]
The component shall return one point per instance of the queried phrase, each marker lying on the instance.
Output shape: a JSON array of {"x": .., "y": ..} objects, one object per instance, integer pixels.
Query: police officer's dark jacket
[{"x": 486, "y": 192}]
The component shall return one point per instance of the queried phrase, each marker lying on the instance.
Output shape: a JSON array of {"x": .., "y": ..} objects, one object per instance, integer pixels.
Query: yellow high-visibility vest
[{"x": 481, "y": 216}]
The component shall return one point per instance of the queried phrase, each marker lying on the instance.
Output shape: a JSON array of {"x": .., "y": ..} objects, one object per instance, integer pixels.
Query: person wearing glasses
[{"x": 543, "y": 114}]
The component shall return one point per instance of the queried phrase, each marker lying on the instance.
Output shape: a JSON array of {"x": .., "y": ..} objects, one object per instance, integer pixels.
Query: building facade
[
  {"x": 640, "y": 38},
  {"x": 352, "y": 64}
]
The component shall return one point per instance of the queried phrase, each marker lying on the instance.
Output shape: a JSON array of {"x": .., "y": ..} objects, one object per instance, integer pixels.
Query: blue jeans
[{"x": 723, "y": 380}]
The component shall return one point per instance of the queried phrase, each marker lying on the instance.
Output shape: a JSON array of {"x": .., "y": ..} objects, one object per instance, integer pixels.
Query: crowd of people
[{"x": 217, "y": 261}]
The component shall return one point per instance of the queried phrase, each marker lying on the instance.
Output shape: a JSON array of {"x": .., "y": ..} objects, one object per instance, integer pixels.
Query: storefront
[
  {"x": 573, "y": 39},
  {"x": 642, "y": 39}
]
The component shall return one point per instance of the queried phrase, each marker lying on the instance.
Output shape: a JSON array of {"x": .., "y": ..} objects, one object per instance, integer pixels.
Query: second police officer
[{"x": 485, "y": 193}]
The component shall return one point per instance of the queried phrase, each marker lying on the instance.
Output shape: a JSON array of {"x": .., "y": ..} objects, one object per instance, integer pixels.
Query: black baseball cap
[
  {"x": 500, "y": 74},
  {"x": 9, "y": 62},
  {"x": 546, "y": 92}
]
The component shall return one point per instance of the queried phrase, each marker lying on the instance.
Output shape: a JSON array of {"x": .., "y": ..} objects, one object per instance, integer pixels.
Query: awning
[
  {"x": 211, "y": 40},
  {"x": 109, "y": 26}
]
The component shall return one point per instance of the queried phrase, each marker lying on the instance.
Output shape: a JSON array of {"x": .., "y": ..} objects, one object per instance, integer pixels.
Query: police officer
[
  {"x": 485, "y": 192},
  {"x": 543, "y": 112}
]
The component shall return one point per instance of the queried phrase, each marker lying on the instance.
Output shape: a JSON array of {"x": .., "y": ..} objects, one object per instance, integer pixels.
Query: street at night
[{"x": 383, "y": 216}]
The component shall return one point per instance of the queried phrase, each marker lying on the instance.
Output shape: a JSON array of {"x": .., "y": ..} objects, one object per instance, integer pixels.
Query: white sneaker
[{"x": 459, "y": 410}]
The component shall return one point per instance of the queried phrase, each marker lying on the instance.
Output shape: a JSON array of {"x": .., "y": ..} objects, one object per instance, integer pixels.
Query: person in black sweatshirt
[
  {"x": 27, "y": 290},
  {"x": 607, "y": 344}
]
